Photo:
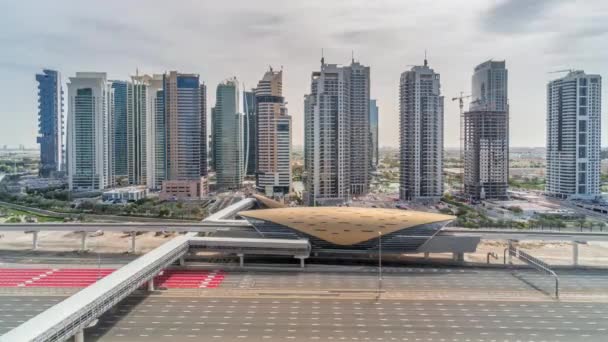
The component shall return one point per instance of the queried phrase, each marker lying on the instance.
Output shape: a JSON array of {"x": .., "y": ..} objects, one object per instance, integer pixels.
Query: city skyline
[{"x": 507, "y": 30}]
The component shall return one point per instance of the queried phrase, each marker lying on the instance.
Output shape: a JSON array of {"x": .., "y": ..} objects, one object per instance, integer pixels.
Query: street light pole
[{"x": 379, "y": 263}]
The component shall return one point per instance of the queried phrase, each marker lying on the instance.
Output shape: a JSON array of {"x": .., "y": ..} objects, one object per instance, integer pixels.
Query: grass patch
[{"x": 41, "y": 218}]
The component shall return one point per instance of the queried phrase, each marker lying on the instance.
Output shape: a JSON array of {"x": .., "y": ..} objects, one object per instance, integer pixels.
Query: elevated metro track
[
  {"x": 201, "y": 227},
  {"x": 218, "y": 225},
  {"x": 517, "y": 234}
]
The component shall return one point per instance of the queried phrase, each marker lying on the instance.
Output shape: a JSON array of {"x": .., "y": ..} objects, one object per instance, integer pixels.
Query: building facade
[
  {"x": 273, "y": 174},
  {"x": 184, "y": 99},
  {"x": 359, "y": 127},
  {"x": 50, "y": 122},
  {"x": 250, "y": 138},
  {"x": 118, "y": 131},
  {"x": 486, "y": 134},
  {"x": 155, "y": 143},
  {"x": 327, "y": 140},
  {"x": 228, "y": 137},
  {"x": 574, "y": 136},
  {"x": 137, "y": 129},
  {"x": 90, "y": 99},
  {"x": 374, "y": 156},
  {"x": 421, "y": 135}
]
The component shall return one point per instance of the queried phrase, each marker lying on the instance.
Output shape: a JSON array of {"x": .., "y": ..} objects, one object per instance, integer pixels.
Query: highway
[
  {"x": 339, "y": 303},
  {"x": 160, "y": 318},
  {"x": 305, "y": 319}
]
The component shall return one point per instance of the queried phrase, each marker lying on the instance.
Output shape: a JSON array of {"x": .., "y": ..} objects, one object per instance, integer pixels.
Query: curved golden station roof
[
  {"x": 345, "y": 225},
  {"x": 267, "y": 202}
]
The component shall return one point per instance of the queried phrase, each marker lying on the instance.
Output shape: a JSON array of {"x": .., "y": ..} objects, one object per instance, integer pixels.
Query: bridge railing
[
  {"x": 536, "y": 263},
  {"x": 72, "y": 315},
  {"x": 67, "y": 318}
]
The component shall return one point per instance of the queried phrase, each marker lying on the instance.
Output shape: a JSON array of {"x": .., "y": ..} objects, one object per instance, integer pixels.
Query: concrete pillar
[
  {"x": 509, "y": 253},
  {"x": 35, "y": 240},
  {"x": 241, "y": 259},
  {"x": 575, "y": 253},
  {"x": 458, "y": 257},
  {"x": 83, "y": 241},
  {"x": 79, "y": 337},
  {"x": 301, "y": 261},
  {"x": 151, "y": 285},
  {"x": 182, "y": 262},
  {"x": 133, "y": 234}
]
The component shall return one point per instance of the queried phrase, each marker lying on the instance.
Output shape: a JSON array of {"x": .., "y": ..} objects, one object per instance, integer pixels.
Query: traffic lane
[
  {"x": 15, "y": 310},
  {"x": 287, "y": 319}
]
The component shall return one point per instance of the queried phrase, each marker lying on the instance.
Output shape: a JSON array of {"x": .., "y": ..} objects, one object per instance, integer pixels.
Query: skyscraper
[
  {"x": 421, "y": 135},
  {"x": 327, "y": 139},
  {"x": 273, "y": 175},
  {"x": 359, "y": 127},
  {"x": 374, "y": 156},
  {"x": 88, "y": 144},
  {"x": 155, "y": 143},
  {"x": 185, "y": 130},
  {"x": 250, "y": 138},
  {"x": 573, "y": 136},
  {"x": 486, "y": 134},
  {"x": 50, "y": 122},
  {"x": 228, "y": 136},
  {"x": 118, "y": 131},
  {"x": 138, "y": 108}
]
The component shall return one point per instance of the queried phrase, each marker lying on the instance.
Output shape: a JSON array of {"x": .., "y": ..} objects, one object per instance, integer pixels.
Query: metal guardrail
[{"x": 536, "y": 263}]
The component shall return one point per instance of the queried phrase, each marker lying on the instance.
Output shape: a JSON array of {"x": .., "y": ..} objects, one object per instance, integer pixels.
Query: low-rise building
[
  {"x": 126, "y": 194},
  {"x": 184, "y": 189}
]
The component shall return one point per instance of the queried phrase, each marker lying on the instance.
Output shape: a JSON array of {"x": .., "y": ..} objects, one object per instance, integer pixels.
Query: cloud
[{"x": 516, "y": 16}]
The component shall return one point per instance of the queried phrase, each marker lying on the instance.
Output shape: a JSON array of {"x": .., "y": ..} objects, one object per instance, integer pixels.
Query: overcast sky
[{"x": 220, "y": 39}]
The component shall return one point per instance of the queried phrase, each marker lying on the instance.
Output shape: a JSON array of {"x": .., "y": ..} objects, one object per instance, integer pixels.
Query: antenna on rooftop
[
  {"x": 322, "y": 56},
  {"x": 425, "y": 61}
]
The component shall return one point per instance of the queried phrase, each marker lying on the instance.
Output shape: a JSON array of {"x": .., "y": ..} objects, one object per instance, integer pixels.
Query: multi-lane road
[
  {"x": 306, "y": 319},
  {"x": 342, "y": 304}
]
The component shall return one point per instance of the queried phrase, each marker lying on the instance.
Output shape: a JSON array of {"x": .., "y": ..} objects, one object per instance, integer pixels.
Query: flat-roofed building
[
  {"x": 185, "y": 126},
  {"x": 273, "y": 174},
  {"x": 90, "y": 100},
  {"x": 574, "y": 136},
  {"x": 50, "y": 122},
  {"x": 227, "y": 135}
]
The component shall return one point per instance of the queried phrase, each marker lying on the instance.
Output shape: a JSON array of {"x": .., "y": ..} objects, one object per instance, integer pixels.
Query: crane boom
[{"x": 461, "y": 105}]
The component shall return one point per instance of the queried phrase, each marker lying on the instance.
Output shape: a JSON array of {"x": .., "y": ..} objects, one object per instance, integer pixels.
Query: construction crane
[
  {"x": 461, "y": 99},
  {"x": 558, "y": 71}
]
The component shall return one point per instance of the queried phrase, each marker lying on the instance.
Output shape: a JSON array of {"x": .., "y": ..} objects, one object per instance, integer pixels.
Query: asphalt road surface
[
  {"x": 234, "y": 319},
  {"x": 419, "y": 304}
]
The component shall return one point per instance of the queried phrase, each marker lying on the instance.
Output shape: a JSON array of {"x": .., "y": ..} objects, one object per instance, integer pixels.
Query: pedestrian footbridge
[{"x": 71, "y": 316}]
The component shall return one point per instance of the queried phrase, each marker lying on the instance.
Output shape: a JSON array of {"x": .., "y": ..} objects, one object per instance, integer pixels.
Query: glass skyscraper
[
  {"x": 90, "y": 99},
  {"x": 486, "y": 134},
  {"x": 50, "y": 122},
  {"x": 228, "y": 136},
  {"x": 119, "y": 130},
  {"x": 250, "y": 132},
  {"x": 373, "y": 134}
]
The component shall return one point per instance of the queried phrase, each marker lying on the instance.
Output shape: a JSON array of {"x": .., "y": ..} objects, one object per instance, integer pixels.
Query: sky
[{"x": 221, "y": 39}]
